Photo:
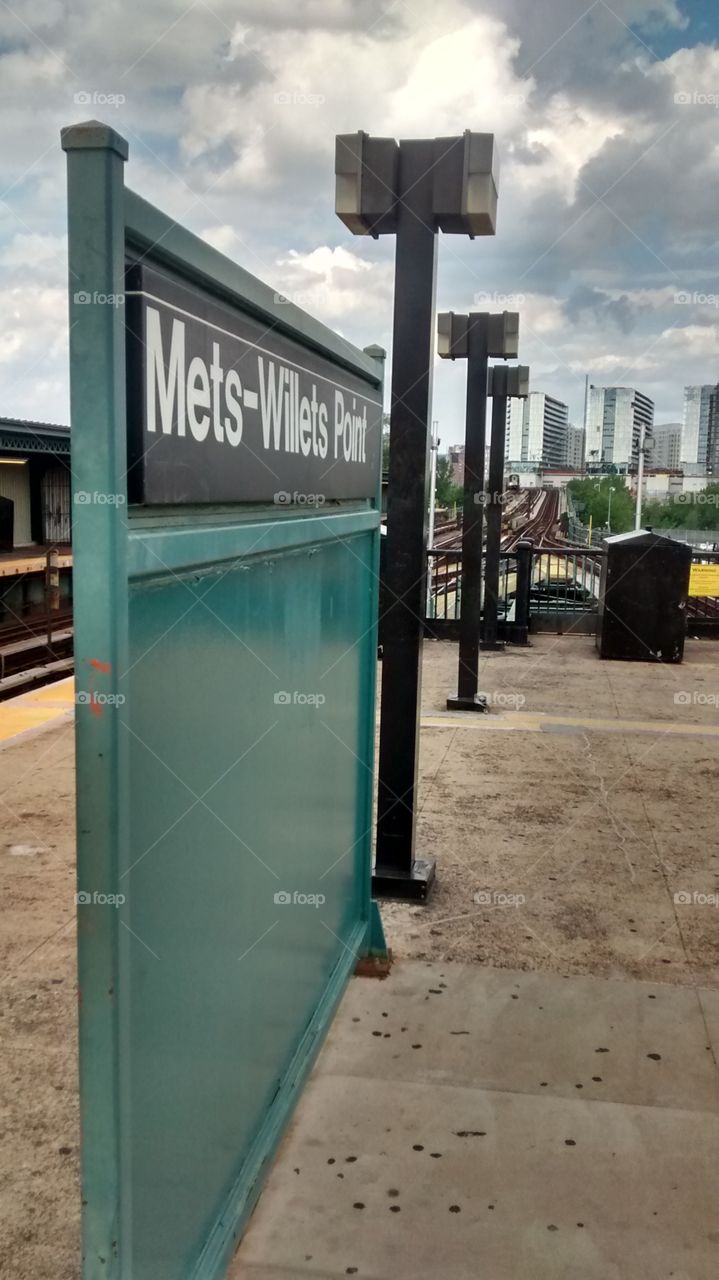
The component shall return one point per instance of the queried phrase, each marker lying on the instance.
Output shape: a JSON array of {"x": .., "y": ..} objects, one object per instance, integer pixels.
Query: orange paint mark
[
  {"x": 106, "y": 667},
  {"x": 95, "y": 706}
]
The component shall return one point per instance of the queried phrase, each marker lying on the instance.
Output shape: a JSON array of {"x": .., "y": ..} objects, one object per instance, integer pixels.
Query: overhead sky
[{"x": 607, "y": 116}]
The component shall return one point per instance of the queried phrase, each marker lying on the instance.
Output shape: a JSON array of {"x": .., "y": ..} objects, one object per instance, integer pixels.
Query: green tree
[
  {"x": 447, "y": 493},
  {"x": 591, "y": 498}
]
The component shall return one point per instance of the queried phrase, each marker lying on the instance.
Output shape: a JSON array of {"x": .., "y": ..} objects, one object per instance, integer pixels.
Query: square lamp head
[
  {"x": 452, "y": 336},
  {"x": 508, "y": 380},
  {"x": 366, "y": 183},
  {"x": 466, "y": 184},
  {"x": 503, "y": 335}
]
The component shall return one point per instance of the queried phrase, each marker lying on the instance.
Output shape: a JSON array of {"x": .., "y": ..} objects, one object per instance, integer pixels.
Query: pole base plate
[
  {"x": 475, "y": 702},
  {"x": 414, "y": 885}
]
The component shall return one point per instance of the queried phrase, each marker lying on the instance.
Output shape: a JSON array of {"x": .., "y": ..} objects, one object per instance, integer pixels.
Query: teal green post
[
  {"x": 375, "y": 944},
  {"x": 96, "y": 234}
]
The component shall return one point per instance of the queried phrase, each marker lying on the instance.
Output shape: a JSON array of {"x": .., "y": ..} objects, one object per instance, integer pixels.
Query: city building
[
  {"x": 536, "y": 430},
  {"x": 615, "y": 416},
  {"x": 35, "y": 503},
  {"x": 695, "y": 424},
  {"x": 713, "y": 435},
  {"x": 576, "y": 439},
  {"x": 666, "y": 452},
  {"x": 513, "y": 436},
  {"x": 455, "y": 453}
]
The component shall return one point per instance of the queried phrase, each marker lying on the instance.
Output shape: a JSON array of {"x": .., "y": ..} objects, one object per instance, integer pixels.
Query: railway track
[{"x": 33, "y": 652}]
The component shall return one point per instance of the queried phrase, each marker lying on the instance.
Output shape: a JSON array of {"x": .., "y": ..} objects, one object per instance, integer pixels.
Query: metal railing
[{"x": 561, "y": 591}]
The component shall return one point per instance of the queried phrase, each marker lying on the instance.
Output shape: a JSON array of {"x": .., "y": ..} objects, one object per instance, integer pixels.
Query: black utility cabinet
[{"x": 643, "y": 598}]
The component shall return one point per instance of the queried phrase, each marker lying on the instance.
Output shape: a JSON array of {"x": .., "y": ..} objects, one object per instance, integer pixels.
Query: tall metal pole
[
  {"x": 397, "y": 872},
  {"x": 434, "y": 446},
  {"x": 493, "y": 502},
  {"x": 640, "y": 477},
  {"x": 467, "y": 698}
]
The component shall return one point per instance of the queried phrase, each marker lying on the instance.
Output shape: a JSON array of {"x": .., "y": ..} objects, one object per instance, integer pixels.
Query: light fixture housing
[
  {"x": 503, "y": 335},
  {"x": 508, "y": 380},
  {"x": 366, "y": 171},
  {"x": 452, "y": 336},
  {"x": 466, "y": 184}
]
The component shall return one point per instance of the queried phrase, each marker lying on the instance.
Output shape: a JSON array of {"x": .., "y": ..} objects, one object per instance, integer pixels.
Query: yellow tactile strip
[{"x": 54, "y": 702}]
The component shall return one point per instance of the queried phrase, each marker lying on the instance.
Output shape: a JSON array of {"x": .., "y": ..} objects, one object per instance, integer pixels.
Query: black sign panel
[{"x": 224, "y": 408}]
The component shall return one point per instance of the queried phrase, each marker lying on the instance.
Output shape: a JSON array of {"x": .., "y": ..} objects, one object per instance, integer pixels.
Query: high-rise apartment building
[
  {"x": 615, "y": 417},
  {"x": 667, "y": 446},
  {"x": 536, "y": 430},
  {"x": 575, "y": 448},
  {"x": 695, "y": 424},
  {"x": 713, "y": 435}
]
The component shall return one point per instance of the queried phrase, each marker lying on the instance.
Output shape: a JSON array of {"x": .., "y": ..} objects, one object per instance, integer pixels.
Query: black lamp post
[
  {"x": 412, "y": 189},
  {"x": 474, "y": 337},
  {"x": 503, "y": 382}
]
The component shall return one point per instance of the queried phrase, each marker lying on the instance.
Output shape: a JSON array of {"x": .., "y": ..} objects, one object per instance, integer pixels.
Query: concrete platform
[
  {"x": 463, "y": 1122},
  {"x": 594, "y": 799}
]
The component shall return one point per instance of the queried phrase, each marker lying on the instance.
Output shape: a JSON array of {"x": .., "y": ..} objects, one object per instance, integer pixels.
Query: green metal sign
[{"x": 225, "y": 646}]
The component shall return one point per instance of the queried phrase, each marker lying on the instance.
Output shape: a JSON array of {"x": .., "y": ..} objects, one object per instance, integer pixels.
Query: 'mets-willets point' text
[{"x": 204, "y": 400}]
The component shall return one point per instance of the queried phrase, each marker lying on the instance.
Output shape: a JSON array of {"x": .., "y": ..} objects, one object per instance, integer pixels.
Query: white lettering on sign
[
  {"x": 188, "y": 396},
  {"x": 205, "y": 400}
]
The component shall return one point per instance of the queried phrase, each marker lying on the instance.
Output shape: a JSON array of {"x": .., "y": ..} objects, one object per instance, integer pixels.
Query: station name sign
[{"x": 223, "y": 407}]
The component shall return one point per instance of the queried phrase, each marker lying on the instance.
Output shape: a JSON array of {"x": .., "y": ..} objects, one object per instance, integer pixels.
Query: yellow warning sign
[{"x": 704, "y": 580}]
